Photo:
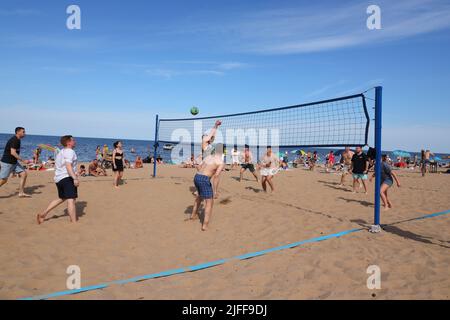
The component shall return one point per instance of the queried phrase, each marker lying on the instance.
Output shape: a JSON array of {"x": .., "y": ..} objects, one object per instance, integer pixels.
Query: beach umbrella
[
  {"x": 294, "y": 151},
  {"x": 401, "y": 153},
  {"x": 436, "y": 158},
  {"x": 303, "y": 152},
  {"x": 47, "y": 147}
]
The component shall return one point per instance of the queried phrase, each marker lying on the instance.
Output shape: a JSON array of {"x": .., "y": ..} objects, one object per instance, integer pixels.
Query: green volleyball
[{"x": 194, "y": 111}]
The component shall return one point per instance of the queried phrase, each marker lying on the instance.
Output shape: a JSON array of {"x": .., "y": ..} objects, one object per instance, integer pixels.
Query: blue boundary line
[{"x": 211, "y": 264}]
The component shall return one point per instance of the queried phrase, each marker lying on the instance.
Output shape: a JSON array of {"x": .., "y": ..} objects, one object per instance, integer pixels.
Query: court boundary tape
[{"x": 211, "y": 264}]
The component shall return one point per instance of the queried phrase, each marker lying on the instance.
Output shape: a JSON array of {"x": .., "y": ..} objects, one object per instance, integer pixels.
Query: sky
[{"x": 134, "y": 59}]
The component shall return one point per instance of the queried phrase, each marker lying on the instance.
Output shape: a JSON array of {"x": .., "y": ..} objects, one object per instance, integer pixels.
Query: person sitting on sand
[
  {"x": 211, "y": 166},
  {"x": 313, "y": 161},
  {"x": 189, "y": 163},
  {"x": 50, "y": 163},
  {"x": 268, "y": 168},
  {"x": 247, "y": 163},
  {"x": 359, "y": 168},
  {"x": 387, "y": 180},
  {"x": 95, "y": 170},
  {"x": 83, "y": 172},
  {"x": 66, "y": 179},
  {"x": 138, "y": 163}
]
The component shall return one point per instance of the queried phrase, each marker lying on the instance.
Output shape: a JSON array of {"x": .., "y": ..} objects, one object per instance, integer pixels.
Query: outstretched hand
[{"x": 218, "y": 123}]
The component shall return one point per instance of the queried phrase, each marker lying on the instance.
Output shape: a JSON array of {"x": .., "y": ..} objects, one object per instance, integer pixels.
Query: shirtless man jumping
[
  {"x": 210, "y": 168},
  {"x": 347, "y": 158},
  {"x": 247, "y": 163}
]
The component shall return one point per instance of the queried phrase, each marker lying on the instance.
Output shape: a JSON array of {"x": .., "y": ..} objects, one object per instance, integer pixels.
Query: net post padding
[{"x": 376, "y": 227}]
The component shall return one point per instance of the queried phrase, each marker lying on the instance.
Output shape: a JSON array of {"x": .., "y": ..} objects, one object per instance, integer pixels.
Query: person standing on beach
[
  {"x": 235, "y": 158},
  {"x": 10, "y": 162},
  {"x": 330, "y": 161},
  {"x": 247, "y": 163},
  {"x": 426, "y": 157},
  {"x": 269, "y": 168},
  {"x": 210, "y": 169},
  {"x": 387, "y": 180},
  {"x": 118, "y": 162},
  {"x": 66, "y": 179},
  {"x": 359, "y": 168},
  {"x": 347, "y": 156}
]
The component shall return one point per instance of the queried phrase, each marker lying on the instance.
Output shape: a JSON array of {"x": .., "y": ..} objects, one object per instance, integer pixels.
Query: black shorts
[
  {"x": 248, "y": 166},
  {"x": 66, "y": 189}
]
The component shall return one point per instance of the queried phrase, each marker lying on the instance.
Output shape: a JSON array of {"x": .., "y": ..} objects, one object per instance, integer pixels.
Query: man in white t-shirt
[{"x": 66, "y": 179}]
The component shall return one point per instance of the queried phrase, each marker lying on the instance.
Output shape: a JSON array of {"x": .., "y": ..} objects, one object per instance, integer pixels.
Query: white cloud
[
  {"x": 299, "y": 31},
  {"x": 19, "y": 12}
]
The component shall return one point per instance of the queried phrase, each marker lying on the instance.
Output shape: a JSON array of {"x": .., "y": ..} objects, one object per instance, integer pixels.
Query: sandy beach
[{"x": 141, "y": 229}]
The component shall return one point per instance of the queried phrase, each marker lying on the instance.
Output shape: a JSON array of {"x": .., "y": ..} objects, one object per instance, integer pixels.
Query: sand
[{"x": 140, "y": 229}]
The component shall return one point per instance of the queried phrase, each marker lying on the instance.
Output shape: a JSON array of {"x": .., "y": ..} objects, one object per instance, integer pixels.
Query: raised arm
[{"x": 213, "y": 131}]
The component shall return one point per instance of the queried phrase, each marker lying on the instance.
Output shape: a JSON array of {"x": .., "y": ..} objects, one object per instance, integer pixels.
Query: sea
[{"x": 86, "y": 148}]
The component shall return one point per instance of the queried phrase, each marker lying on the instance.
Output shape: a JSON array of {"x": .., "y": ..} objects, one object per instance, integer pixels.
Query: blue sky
[{"x": 134, "y": 59}]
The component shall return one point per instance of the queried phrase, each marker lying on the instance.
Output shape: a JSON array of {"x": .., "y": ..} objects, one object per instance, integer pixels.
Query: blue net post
[
  {"x": 378, "y": 125},
  {"x": 155, "y": 146}
]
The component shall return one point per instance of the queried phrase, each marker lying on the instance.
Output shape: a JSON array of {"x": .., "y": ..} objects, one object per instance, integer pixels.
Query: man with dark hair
[
  {"x": 10, "y": 161},
  {"x": 360, "y": 168},
  {"x": 66, "y": 179},
  {"x": 247, "y": 163}
]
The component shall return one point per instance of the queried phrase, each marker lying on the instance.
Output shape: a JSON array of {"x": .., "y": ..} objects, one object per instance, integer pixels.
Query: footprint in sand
[{"x": 225, "y": 201}]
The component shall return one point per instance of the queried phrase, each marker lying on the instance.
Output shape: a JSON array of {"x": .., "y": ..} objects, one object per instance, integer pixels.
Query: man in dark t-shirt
[
  {"x": 359, "y": 168},
  {"x": 9, "y": 162}
]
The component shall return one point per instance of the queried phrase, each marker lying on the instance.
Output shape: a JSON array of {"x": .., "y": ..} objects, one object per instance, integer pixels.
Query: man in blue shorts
[
  {"x": 359, "y": 168},
  {"x": 10, "y": 162},
  {"x": 210, "y": 168}
]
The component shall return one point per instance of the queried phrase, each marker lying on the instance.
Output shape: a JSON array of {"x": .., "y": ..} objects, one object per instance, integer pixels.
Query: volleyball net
[
  {"x": 339, "y": 122},
  {"x": 331, "y": 123}
]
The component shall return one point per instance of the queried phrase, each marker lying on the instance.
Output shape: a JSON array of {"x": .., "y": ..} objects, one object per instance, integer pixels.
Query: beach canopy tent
[
  {"x": 401, "y": 153},
  {"x": 298, "y": 152}
]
